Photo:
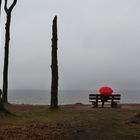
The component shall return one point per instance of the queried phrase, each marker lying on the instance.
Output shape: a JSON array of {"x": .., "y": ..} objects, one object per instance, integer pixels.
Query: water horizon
[{"x": 42, "y": 97}]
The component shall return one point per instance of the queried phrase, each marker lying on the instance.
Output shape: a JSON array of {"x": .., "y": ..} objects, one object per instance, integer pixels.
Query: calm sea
[{"x": 42, "y": 97}]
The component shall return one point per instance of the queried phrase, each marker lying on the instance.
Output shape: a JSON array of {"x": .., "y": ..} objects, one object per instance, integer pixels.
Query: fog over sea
[{"x": 42, "y": 97}]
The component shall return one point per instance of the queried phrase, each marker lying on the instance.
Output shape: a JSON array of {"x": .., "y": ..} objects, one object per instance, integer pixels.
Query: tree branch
[
  {"x": 11, "y": 7},
  {"x": 5, "y": 6},
  {"x": 13, "y": 4}
]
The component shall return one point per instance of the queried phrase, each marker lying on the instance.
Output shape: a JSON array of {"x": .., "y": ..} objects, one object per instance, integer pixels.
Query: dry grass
[{"x": 70, "y": 122}]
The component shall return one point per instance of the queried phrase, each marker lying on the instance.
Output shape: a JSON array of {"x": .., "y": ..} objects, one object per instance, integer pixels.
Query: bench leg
[
  {"x": 95, "y": 104},
  {"x": 113, "y": 104},
  {"x": 102, "y": 104}
]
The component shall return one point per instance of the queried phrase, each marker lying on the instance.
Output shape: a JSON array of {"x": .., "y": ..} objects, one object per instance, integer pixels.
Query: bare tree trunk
[
  {"x": 6, "y": 54},
  {"x": 54, "y": 67},
  {"x": 1, "y": 104}
]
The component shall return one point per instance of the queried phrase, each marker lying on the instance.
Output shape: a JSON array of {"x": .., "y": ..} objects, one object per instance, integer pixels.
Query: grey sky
[{"x": 99, "y": 44}]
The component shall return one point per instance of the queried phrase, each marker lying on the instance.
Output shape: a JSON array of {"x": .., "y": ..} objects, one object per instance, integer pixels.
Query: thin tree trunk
[
  {"x": 6, "y": 53},
  {"x": 1, "y": 104},
  {"x": 6, "y": 58},
  {"x": 54, "y": 67}
]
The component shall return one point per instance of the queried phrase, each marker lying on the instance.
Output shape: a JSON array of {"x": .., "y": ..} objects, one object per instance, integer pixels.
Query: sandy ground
[
  {"x": 80, "y": 127},
  {"x": 131, "y": 106},
  {"x": 107, "y": 106}
]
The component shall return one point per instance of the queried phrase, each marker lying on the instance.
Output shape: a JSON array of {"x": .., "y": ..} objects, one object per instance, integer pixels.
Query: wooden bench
[{"x": 96, "y": 98}]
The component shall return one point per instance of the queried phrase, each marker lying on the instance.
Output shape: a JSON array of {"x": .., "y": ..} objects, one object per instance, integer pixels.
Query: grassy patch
[{"x": 71, "y": 122}]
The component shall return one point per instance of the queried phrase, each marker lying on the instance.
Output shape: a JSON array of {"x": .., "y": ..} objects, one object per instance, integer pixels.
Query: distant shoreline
[
  {"x": 64, "y": 97},
  {"x": 129, "y": 106}
]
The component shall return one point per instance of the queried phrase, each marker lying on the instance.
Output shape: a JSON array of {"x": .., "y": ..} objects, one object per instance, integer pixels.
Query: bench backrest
[{"x": 109, "y": 97}]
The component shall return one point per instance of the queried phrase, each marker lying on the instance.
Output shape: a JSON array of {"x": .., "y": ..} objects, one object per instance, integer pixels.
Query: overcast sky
[{"x": 99, "y": 44}]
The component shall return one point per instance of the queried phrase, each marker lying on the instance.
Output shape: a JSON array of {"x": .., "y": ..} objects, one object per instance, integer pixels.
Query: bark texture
[
  {"x": 54, "y": 66},
  {"x": 6, "y": 49}
]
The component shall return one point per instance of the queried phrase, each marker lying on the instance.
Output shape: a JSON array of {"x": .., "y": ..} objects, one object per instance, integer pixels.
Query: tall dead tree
[
  {"x": 8, "y": 11},
  {"x": 54, "y": 66}
]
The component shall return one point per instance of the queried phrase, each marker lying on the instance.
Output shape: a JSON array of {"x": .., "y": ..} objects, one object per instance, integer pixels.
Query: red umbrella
[{"x": 106, "y": 90}]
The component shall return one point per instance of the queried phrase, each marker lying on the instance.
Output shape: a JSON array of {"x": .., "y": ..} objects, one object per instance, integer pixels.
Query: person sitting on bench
[{"x": 104, "y": 98}]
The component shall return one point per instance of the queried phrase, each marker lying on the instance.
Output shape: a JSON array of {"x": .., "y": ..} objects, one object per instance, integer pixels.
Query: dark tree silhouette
[
  {"x": 1, "y": 104},
  {"x": 8, "y": 11},
  {"x": 54, "y": 67}
]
